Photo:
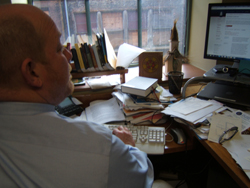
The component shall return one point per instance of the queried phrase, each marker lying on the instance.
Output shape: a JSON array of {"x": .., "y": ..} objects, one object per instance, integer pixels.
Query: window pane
[
  {"x": 113, "y": 16},
  {"x": 120, "y": 19},
  {"x": 160, "y": 19}
]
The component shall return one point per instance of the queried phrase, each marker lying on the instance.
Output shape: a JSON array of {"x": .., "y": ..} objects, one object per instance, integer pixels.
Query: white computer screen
[{"x": 228, "y": 32}]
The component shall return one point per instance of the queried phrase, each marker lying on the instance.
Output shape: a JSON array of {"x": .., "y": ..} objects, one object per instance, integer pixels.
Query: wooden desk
[
  {"x": 87, "y": 96},
  {"x": 172, "y": 147},
  {"x": 224, "y": 158},
  {"x": 220, "y": 154}
]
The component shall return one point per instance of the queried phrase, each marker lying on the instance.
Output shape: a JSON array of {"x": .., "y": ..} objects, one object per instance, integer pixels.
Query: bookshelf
[{"x": 101, "y": 73}]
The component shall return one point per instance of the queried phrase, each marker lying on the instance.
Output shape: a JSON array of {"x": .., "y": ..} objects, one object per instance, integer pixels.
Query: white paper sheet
[
  {"x": 189, "y": 105},
  {"x": 104, "y": 112},
  {"x": 195, "y": 115},
  {"x": 126, "y": 54},
  {"x": 238, "y": 147},
  {"x": 221, "y": 123}
]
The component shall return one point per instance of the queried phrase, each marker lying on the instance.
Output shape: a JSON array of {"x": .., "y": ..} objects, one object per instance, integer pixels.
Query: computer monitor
[{"x": 228, "y": 32}]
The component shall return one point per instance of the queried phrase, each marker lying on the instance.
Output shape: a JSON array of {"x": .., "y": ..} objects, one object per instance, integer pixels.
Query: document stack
[
  {"x": 141, "y": 100},
  {"x": 193, "y": 110}
]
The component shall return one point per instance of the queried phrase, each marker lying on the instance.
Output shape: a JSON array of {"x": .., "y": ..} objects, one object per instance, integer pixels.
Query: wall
[{"x": 197, "y": 34}]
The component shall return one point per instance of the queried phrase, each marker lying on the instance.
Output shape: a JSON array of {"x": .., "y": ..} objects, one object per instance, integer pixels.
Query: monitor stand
[
  {"x": 229, "y": 93},
  {"x": 234, "y": 91},
  {"x": 220, "y": 75}
]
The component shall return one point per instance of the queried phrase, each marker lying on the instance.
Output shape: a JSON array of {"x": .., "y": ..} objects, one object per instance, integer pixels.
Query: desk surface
[
  {"x": 216, "y": 150},
  {"x": 227, "y": 162},
  {"x": 222, "y": 156}
]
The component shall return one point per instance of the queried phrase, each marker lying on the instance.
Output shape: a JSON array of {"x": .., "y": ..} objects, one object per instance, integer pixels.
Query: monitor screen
[{"x": 228, "y": 32}]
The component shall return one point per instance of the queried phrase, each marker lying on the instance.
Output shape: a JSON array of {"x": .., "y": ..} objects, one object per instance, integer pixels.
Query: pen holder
[{"x": 175, "y": 81}]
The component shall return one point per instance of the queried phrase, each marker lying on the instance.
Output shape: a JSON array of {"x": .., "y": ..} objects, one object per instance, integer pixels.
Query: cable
[
  {"x": 197, "y": 91},
  {"x": 172, "y": 138}
]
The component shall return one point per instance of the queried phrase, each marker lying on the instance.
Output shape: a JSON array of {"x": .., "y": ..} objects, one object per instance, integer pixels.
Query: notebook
[{"x": 230, "y": 94}]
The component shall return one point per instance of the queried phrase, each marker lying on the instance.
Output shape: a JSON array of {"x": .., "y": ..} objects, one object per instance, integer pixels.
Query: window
[{"x": 151, "y": 30}]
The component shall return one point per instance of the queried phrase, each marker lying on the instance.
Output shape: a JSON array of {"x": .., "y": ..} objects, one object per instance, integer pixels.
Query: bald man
[{"x": 39, "y": 148}]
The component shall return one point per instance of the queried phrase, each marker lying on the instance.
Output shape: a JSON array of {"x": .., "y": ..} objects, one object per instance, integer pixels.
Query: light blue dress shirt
[{"x": 38, "y": 148}]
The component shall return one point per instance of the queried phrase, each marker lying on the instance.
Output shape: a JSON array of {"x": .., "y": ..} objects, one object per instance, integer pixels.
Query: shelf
[{"x": 101, "y": 73}]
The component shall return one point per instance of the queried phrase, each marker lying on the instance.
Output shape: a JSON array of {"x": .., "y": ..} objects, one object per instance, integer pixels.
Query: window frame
[{"x": 140, "y": 23}]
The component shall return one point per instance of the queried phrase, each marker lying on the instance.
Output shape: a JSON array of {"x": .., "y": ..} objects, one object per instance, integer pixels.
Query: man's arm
[{"x": 129, "y": 167}]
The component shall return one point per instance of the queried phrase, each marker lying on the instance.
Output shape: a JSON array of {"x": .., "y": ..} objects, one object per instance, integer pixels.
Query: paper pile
[{"x": 192, "y": 109}]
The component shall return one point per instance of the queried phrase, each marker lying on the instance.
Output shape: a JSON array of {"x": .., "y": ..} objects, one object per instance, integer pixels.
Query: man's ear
[{"x": 30, "y": 72}]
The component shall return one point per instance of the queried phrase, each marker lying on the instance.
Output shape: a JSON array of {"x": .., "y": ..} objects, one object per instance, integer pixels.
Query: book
[
  {"x": 86, "y": 48},
  {"x": 101, "y": 57},
  {"x": 97, "y": 57},
  {"x": 150, "y": 116},
  {"x": 140, "y": 85},
  {"x": 79, "y": 55},
  {"x": 93, "y": 57},
  {"x": 128, "y": 112},
  {"x": 126, "y": 102},
  {"x": 150, "y": 64},
  {"x": 75, "y": 59},
  {"x": 84, "y": 57},
  {"x": 100, "y": 41}
]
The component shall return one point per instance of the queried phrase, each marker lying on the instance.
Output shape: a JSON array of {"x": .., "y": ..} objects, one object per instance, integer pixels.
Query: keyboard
[{"x": 149, "y": 139}]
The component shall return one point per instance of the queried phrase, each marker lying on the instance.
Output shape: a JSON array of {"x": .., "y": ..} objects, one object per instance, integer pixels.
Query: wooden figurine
[{"x": 173, "y": 59}]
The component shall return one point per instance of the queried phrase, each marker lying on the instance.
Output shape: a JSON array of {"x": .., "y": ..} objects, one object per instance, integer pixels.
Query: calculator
[{"x": 68, "y": 108}]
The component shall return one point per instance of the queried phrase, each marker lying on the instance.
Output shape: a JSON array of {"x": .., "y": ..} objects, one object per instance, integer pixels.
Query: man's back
[{"x": 40, "y": 149}]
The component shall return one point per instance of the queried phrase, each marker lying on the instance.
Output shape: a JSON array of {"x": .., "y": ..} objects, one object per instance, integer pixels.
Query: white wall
[{"x": 197, "y": 34}]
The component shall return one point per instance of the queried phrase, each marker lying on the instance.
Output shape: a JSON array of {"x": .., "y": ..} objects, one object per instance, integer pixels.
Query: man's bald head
[{"x": 22, "y": 36}]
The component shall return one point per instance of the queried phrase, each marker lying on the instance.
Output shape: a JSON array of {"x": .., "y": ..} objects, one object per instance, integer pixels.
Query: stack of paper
[{"x": 192, "y": 109}]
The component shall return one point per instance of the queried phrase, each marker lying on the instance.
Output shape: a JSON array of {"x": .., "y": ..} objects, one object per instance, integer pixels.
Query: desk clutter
[
  {"x": 218, "y": 123},
  {"x": 134, "y": 109}
]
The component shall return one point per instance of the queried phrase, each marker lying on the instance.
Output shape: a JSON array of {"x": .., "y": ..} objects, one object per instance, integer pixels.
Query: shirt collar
[{"x": 24, "y": 108}]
